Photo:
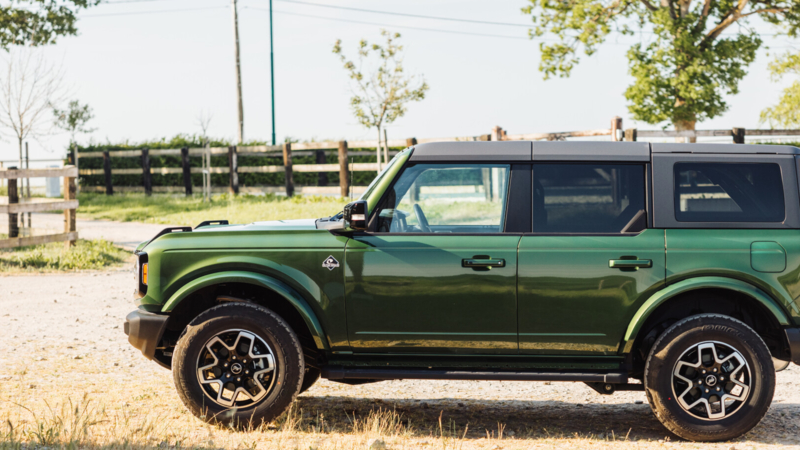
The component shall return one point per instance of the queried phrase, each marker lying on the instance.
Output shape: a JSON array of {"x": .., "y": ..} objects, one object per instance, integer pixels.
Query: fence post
[
  {"x": 738, "y": 135},
  {"x": 69, "y": 214},
  {"x": 13, "y": 198},
  {"x": 497, "y": 133},
  {"x": 147, "y": 176},
  {"x": 631, "y": 134},
  {"x": 344, "y": 180},
  {"x": 233, "y": 166},
  {"x": 322, "y": 177},
  {"x": 107, "y": 173},
  {"x": 616, "y": 124},
  {"x": 410, "y": 142},
  {"x": 287, "y": 165},
  {"x": 187, "y": 171}
]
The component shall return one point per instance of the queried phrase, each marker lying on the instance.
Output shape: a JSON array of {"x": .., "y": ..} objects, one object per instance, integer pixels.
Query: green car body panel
[{"x": 567, "y": 298}]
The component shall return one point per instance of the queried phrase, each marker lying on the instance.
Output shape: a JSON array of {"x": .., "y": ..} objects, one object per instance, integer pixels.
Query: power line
[
  {"x": 390, "y": 25},
  {"x": 417, "y": 16},
  {"x": 152, "y": 12}
]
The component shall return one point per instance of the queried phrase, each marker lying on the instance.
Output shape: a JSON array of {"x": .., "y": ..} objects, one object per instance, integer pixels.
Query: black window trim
[{"x": 664, "y": 186}]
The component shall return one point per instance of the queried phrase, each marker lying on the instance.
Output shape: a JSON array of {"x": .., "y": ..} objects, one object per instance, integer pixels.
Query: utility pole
[
  {"x": 272, "y": 72},
  {"x": 240, "y": 108}
]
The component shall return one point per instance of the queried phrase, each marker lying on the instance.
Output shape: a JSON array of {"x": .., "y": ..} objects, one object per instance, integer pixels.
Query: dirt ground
[{"x": 63, "y": 339}]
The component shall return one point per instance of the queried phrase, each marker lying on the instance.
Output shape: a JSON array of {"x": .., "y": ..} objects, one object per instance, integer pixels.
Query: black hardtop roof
[{"x": 510, "y": 151}]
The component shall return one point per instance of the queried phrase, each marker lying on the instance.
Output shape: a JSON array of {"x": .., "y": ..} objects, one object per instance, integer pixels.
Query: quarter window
[
  {"x": 439, "y": 198},
  {"x": 728, "y": 192},
  {"x": 588, "y": 198}
]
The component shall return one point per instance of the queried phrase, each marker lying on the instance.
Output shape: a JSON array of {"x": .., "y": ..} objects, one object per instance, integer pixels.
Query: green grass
[
  {"x": 189, "y": 211},
  {"x": 85, "y": 255}
]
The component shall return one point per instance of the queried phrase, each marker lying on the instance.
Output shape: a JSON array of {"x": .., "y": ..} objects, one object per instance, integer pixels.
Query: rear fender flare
[
  {"x": 277, "y": 286},
  {"x": 664, "y": 295}
]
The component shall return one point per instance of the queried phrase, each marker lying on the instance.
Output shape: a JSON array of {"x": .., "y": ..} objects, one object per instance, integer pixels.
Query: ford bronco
[{"x": 672, "y": 269}]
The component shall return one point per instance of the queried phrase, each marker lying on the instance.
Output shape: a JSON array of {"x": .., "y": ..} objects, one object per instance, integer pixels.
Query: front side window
[
  {"x": 728, "y": 192},
  {"x": 446, "y": 198},
  {"x": 588, "y": 198}
]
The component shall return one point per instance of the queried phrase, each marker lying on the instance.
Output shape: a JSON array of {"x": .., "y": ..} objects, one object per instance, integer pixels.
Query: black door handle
[{"x": 486, "y": 263}]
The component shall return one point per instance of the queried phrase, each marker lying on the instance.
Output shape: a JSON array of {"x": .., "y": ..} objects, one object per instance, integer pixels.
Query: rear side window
[
  {"x": 728, "y": 192},
  {"x": 588, "y": 198}
]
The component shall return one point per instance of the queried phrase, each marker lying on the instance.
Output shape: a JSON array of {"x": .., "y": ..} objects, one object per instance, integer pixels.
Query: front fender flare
[
  {"x": 664, "y": 295},
  {"x": 279, "y": 287}
]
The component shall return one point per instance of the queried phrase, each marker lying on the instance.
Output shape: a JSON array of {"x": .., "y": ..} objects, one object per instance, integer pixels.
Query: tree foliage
[
  {"x": 39, "y": 22},
  {"x": 74, "y": 118},
  {"x": 786, "y": 113},
  {"x": 684, "y": 66},
  {"x": 380, "y": 97}
]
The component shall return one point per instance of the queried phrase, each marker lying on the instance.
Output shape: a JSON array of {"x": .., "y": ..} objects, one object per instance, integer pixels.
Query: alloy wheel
[
  {"x": 711, "y": 380},
  {"x": 236, "y": 368}
]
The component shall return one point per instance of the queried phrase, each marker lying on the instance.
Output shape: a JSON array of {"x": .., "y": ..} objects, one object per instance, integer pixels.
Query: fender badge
[{"x": 330, "y": 263}]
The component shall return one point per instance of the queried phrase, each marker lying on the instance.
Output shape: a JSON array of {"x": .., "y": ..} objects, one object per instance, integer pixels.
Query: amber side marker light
[{"x": 144, "y": 273}]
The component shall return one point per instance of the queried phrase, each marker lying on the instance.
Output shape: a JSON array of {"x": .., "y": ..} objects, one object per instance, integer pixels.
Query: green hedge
[{"x": 217, "y": 179}]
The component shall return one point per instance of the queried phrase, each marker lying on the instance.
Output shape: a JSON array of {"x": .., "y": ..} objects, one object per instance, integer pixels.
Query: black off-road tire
[
  {"x": 682, "y": 337},
  {"x": 312, "y": 376},
  {"x": 265, "y": 324}
]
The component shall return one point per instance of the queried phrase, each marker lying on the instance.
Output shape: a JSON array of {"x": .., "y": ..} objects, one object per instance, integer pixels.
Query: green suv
[{"x": 668, "y": 268}]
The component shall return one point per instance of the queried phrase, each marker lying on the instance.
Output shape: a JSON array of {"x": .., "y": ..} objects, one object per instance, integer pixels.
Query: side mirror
[{"x": 355, "y": 214}]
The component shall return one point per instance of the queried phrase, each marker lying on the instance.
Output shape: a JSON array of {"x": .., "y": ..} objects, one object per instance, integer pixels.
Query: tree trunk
[{"x": 685, "y": 125}]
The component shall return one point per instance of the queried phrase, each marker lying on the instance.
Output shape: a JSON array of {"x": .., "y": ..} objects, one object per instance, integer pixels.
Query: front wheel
[
  {"x": 238, "y": 364},
  {"x": 709, "y": 377}
]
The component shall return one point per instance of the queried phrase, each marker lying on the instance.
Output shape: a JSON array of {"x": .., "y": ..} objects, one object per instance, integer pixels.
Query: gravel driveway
[{"x": 64, "y": 338}]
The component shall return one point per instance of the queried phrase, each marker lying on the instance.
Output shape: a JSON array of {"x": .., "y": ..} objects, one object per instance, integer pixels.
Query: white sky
[{"x": 148, "y": 74}]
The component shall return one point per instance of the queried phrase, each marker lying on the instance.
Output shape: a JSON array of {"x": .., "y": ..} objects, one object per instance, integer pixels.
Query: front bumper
[
  {"x": 793, "y": 337},
  {"x": 144, "y": 330}
]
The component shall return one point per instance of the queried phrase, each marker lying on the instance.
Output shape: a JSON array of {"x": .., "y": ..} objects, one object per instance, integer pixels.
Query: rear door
[{"x": 591, "y": 259}]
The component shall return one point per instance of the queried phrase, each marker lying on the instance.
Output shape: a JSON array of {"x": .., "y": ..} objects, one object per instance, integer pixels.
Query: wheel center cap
[
  {"x": 236, "y": 368},
  {"x": 711, "y": 380}
]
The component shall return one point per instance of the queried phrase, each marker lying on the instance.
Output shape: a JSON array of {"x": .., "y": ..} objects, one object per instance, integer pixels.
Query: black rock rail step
[{"x": 337, "y": 373}]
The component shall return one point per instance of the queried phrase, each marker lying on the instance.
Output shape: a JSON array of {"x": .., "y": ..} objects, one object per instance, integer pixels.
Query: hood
[{"x": 277, "y": 225}]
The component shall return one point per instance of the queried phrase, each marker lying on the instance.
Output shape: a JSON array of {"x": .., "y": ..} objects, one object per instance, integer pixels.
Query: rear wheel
[
  {"x": 238, "y": 364},
  {"x": 709, "y": 378}
]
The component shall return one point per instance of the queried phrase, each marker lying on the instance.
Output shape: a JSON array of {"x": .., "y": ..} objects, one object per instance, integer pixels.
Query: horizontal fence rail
[
  {"x": 286, "y": 152},
  {"x": 15, "y": 207}
]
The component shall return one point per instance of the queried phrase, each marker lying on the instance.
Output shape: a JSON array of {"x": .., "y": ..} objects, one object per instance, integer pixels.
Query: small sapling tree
[{"x": 380, "y": 97}]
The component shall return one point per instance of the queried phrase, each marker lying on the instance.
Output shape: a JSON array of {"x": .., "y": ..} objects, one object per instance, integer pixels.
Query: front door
[
  {"x": 591, "y": 260},
  {"x": 437, "y": 274}
]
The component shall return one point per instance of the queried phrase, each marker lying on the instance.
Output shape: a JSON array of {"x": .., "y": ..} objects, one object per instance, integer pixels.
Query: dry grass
[
  {"x": 180, "y": 210},
  {"x": 56, "y": 257}
]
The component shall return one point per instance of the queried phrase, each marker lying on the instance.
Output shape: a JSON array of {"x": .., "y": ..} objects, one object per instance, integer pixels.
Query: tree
[
  {"x": 39, "y": 22},
  {"x": 381, "y": 97},
  {"x": 29, "y": 88},
  {"x": 74, "y": 119},
  {"x": 786, "y": 113},
  {"x": 683, "y": 73},
  {"x": 204, "y": 122}
]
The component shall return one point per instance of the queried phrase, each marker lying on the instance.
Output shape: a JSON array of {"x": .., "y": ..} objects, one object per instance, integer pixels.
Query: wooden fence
[
  {"x": 319, "y": 149},
  {"x": 14, "y": 208}
]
